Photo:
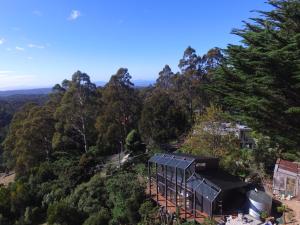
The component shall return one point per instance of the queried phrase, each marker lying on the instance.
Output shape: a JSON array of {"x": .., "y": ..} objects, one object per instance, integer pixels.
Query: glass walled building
[{"x": 195, "y": 185}]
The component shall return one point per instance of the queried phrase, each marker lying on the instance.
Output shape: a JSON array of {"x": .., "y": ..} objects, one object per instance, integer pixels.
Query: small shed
[{"x": 286, "y": 179}]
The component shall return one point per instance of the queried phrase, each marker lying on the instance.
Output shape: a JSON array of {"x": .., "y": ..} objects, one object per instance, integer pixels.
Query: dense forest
[{"x": 66, "y": 148}]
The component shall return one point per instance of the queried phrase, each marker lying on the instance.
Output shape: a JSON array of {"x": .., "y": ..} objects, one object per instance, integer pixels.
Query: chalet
[
  {"x": 286, "y": 179},
  {"x": 194, "y": 185}
]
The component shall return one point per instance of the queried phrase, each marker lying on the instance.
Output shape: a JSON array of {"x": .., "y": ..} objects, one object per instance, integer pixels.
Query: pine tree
[{"x": 259, "y": 82}]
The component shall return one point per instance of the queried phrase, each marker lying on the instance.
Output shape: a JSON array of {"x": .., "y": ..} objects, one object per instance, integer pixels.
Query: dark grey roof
[
  {"x": 222, "y": 179},
  {"x": 180, "y": 162},
  {"x": 203, "y": 187}
]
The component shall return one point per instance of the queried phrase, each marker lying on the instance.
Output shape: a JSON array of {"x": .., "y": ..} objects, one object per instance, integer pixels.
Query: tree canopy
[
  {"x": 66, "y": 147},
  {"x": 259, "y": 81}
]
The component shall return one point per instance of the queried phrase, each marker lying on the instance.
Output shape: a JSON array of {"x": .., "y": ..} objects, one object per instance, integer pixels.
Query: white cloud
[
  {"x": 8, "y": 49},
  {"x": 36, "y": 46},
  {"x": 11, "y": 79},
  {"x": 74, "y": 15},
  {"x": 20, "y": 48},
  {"x": 29, "y": 58},
  {"x": 37, "y": 13},
  {"x": 5, "y": 72},
  {"x": 2, "y": 40}
]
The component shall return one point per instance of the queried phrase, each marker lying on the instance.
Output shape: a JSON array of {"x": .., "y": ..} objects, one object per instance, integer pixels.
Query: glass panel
[
  {"x": 180, "y": 175},
  {"x": 189, "y": 200},
  {"x": 184, "y": 164},
  {"x": 154, "y": 158},
  {"x": 290, "y": 186},
  {"x": 161, "y": 188},
  {"x": 171, "y": 173},
  {"x": 164, "y": 159},
  {"x": 207, "y": 192},
  {"x": 172, "y": 162}
]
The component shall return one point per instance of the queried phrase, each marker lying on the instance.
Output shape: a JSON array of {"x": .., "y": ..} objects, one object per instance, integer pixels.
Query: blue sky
[{"x": 43, "y": 42}]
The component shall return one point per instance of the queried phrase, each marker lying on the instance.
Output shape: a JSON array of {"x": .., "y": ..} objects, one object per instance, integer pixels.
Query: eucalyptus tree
[
  {"x": 76, "y": 114},
  {"x": 121, "y": 112}
]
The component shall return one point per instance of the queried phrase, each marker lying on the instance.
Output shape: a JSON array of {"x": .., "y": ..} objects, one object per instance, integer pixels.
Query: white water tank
[{"x": 259, "y": 202}]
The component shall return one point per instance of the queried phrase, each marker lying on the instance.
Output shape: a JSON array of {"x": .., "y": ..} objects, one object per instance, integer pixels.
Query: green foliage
[
  {"x": 207, "y": 136},
  {"x": 162, "y": 119},
  {"x": 208, "y": 221},
  {"x": 89, "y": 197},
  {"x": 56, "y": 147},
  {"x": 28, "y": 142},
  {"x": 133, "y": 142},
  {"x": 100, "y": 218},
  {"x": 33, "y": 215},
  {"x": 264, "y": 215},
  {"x": 75, "y": 114},
  {"x": 148, "y": 213},
  {"x": 5, "y": 202},
  {"x": 21, "y": 197},
  {"x": 60, "y": 213},
  {"x": 266, "y": 152},
  {"x": 260, "y": 80},
  {"x": 282, "y": 208},
  {"x": 121, "y": 112},
  {"x": 126, "y": 195}
]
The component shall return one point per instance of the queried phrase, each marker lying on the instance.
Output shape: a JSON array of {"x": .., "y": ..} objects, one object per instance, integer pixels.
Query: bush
[
  {"x": 89, "y": 197},
  {"x": 148, "y": 212},
  {"x": 100, "y": 218},
  {"x": 33, "y": 215},
  {"x": 60, "y": 213},
  {"x": 263, "y": 215},
  {"x": 126, "y": 194}
]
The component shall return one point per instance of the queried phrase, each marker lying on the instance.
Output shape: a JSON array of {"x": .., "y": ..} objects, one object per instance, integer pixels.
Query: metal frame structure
[{"x": 179, "y": 171}]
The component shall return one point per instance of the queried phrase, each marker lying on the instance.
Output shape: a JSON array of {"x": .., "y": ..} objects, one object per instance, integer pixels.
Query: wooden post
[
  {"x": 184, "y": 191},
  {"x": 194, "y": 205},
  {"x": 166, "y": 187},
  {"x": 176, "y": 188}
]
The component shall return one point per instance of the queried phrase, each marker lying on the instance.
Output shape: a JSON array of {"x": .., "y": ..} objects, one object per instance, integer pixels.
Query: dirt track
[
  {"x": 6, "y": 179},
  {"x": 295, "y": 206}
]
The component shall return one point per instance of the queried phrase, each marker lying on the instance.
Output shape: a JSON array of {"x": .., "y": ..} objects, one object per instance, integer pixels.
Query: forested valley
[{"x": 80, "y": 153}]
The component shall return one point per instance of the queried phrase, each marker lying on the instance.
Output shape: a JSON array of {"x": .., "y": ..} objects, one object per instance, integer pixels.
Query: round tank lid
[{"x": 259, "y": 196}]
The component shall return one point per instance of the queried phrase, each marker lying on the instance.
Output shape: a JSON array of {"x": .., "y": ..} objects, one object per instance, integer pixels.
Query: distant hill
[
  {"x": 45, "y": 91},
  {"x": 143, "y": 83},
  {"x": 37, "y": 91}
]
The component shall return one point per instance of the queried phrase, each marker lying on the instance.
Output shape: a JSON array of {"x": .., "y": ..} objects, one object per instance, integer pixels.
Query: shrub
[
  {"x": 60, "y": 213},
  {"x": 100, "y": 218}
]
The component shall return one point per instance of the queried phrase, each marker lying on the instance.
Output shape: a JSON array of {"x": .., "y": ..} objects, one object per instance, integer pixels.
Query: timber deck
[{"x": 171, "y": 208}]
